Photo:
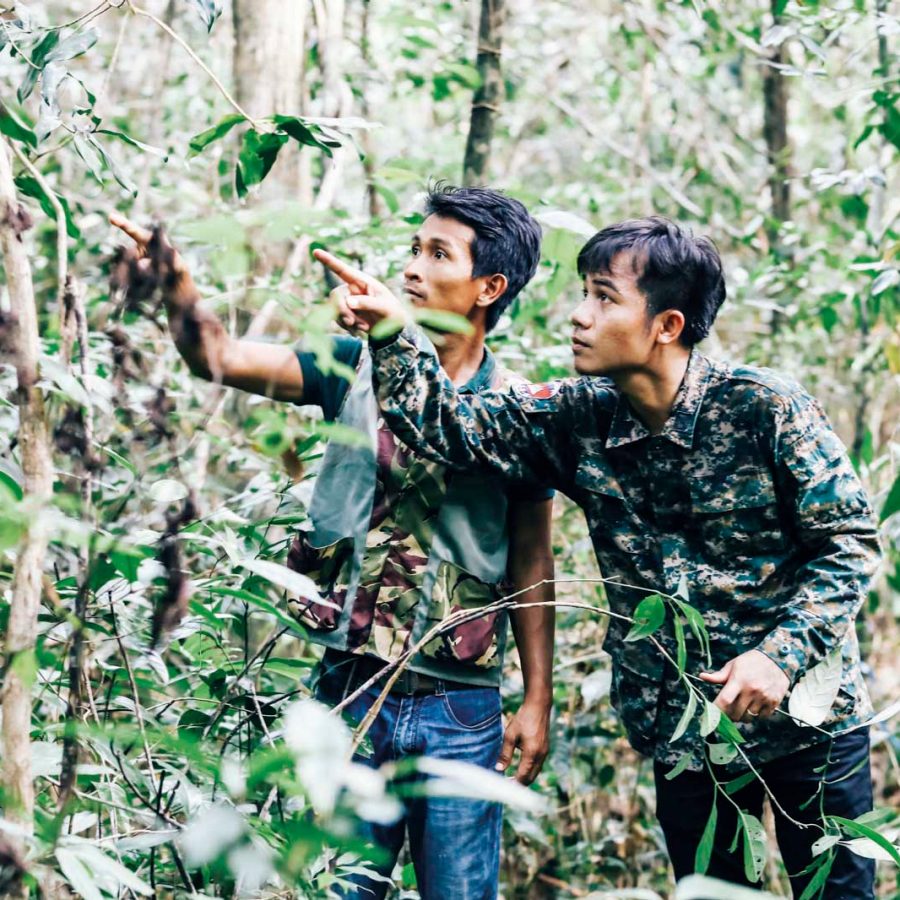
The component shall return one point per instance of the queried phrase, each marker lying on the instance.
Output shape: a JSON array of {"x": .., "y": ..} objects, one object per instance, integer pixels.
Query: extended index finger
[
  {"x": 135, "y": 232},
  {"x": 351, "y": 276}
]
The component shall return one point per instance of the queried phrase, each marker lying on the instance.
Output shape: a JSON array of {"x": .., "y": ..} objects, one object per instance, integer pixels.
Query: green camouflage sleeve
[
  {"x": 829, "y": 515},
  {"x": 519, "y": 433}
]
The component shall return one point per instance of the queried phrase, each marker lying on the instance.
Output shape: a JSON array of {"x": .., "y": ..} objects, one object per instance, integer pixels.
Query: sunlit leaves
[
  {"x": 690, "y": 710},
  {"x": 707, "y": 840},
  {"x": 814, "y": 694},
  {"x": 648, "y": 617}
]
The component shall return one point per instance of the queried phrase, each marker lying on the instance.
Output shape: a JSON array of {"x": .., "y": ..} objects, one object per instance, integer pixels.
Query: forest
[{"x": 157, "y": 733}]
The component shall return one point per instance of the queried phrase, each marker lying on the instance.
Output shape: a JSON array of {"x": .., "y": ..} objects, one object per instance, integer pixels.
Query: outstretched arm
[
  {"x": 271, "y": 370},
  {"x": 524, "y": 433}
]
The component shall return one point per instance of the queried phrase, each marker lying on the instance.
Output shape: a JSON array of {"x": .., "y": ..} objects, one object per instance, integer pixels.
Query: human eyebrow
[
  {"x": 437, "y": 243},
  {"x": 600, "y": 281}
]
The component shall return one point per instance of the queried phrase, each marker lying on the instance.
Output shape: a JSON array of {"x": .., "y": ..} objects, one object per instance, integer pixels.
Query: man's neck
[
  {"x": 652, "y": 390},
  {"x": 461, "y": 355}
]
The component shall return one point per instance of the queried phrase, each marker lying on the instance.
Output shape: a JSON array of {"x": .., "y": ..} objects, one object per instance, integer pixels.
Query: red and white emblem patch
[{"x": 538, "y": 391}]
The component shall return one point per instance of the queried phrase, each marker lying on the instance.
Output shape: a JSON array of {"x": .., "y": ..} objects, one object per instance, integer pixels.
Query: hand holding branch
[{"x": 753, "y": 686}]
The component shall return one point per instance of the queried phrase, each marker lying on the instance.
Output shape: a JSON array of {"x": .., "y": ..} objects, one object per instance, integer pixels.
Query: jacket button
[{"x": 785, "y": 649}]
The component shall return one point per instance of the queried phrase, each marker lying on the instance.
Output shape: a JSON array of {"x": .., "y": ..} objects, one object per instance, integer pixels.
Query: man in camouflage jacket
[{"x": 724, "y": 485}]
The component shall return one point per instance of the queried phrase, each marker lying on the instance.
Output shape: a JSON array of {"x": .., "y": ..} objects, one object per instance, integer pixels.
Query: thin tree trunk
[
  {"x": 488, "y": 96},
  {"x": 876, "y": 229},
  {"x": 268, "y": 61},
  {"x": 778, "y": 150},
  {"x": 34, "y": 446},
  {"x": 374, "y": 201}
]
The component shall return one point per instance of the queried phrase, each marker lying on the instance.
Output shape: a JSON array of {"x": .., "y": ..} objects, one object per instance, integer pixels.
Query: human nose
[
  {"x": 411, "y": 272},
  {"x": 580, "y": 317}
]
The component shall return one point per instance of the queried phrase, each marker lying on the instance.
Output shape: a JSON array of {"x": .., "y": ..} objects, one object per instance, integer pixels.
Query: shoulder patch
[{"x": 537, "y": 391}]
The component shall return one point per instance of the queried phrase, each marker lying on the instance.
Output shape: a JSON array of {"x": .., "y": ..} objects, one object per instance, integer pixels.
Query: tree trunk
[
  {"x": 269, "y": 44},
  {"x": 778, "y": 150},
  {"x": 337, "y": 98},
  {"x": 34, "y": 446},
  {"x": 374, "y": 201},
  {"x": 488, "y": 96}
]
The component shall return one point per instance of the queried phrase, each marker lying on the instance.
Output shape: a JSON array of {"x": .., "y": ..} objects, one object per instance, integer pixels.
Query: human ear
[
  {"x": 493, "y": 287},
  {"x": 670, "y": 324}
]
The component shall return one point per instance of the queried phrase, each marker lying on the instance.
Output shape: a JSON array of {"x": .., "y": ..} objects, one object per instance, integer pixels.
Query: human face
[
  {"x": 439, "y": 272},
  {"x": 613, "y": 332}
]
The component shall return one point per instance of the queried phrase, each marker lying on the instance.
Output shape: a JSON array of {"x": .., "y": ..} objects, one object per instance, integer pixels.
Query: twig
[
  {"x": 140, "y": 11},
  {"x": 677, "y": 195},
  {"x": 62, "y": 251},
  {"x": 137, "y": 700}
]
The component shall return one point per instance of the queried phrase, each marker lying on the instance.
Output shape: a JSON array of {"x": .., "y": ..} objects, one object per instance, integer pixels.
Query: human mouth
[
  {"x": 579, "y": 345},
  {"x": 413, "y": 294}
]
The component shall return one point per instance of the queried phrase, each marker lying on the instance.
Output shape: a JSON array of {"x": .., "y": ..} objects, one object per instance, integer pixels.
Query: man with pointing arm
[
  {"x": 728, "y": 481},
  {"x": 398, "y": 543}
]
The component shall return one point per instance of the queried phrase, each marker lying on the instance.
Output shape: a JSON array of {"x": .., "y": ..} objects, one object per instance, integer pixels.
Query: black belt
[{"x": 360, "y": 668}]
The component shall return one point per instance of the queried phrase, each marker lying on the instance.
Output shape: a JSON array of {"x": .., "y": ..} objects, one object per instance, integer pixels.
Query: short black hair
[
  {"x": 507, "y": 239},
  {"x": 675, "y": 269}
]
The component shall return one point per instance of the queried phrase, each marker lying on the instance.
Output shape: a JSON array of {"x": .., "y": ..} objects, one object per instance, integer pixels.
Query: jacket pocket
[
  {"x": 329, "y": 567},
  {"x": 474, "y": 642},
  {"x": 738, "y": 517}
]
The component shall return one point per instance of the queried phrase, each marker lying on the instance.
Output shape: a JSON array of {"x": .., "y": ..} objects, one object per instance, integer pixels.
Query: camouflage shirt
[
  {"x": 747, "y": 496},
  {"x": 399, "y": 543}
]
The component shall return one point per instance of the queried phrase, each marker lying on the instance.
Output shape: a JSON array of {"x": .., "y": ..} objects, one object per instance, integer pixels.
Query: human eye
[
  {"x": 440, "y": 254},
  {"x": 414, "y": 250}
]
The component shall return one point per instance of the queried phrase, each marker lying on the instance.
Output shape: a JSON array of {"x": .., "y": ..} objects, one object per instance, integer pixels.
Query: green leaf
[
  {"x": 737, "y": 784},
  {"x": 24, "y": 664},
  {"x": 702, "y": 887},
  {"x": 293, "y": 582},
  {"x": 13, "y": 127},
  {"x": 683, "y": 762},
  {"x": 892, "y": 501},
  {"x": 726, "y": 729},
  {"x": 33, "y": 72},
  {"x": 707, "y": 841},
  {"x": 73, "y": 46},
  {"x": 818, "y": 880},
  {"x": 305, "y": 133},
  {"x": 858, "y": 829},
  {"x": 209, "y": 10},
  {"x": 709, "y": 718},
  {"x": 814, "y": 694},
  {"x": 681, "y": 654},
  {"x": 648, "y": 617},
  {"x": 722, "y": 754},
  {"x": 30, "y": 187},
  {"x": 200, "y": 141},
  {"x": 754, "y": 846},
  {"x": 79, "y": 876},
  {"x": 686, "y": 717},
  {"x": 442, "y": 320},
  {"x": 256, "y": 158},
  {"x": 133, "y": 142},
  {"x": 385, "y": 328}
]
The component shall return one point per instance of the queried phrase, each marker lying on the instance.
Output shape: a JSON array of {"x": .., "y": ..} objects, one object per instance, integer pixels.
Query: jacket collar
[{"x": 626, "y": 427}]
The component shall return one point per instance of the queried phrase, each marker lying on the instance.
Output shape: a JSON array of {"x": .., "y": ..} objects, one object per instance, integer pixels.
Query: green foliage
[{"x": 658, "y": 111}]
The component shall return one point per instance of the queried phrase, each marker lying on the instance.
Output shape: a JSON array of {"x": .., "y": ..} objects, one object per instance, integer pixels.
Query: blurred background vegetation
[{"x": 256, "y": 129}]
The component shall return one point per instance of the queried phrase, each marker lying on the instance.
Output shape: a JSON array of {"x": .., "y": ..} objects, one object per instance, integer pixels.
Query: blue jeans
[
  {"x": 454, "y": 841},
  {"x": 683, "y": 806}
]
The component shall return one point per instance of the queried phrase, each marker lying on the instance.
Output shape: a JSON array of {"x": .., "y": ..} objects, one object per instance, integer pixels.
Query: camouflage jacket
[
  {"x": 747, "y": 496},
  {"x": 397, "y": 543}
]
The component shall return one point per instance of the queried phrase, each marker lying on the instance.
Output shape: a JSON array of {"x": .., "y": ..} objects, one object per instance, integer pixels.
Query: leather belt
[{"x": 360, "y": 669}]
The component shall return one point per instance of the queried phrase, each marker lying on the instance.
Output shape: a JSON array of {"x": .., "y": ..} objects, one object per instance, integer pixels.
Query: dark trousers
[{"x": 683, "y": 806}]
